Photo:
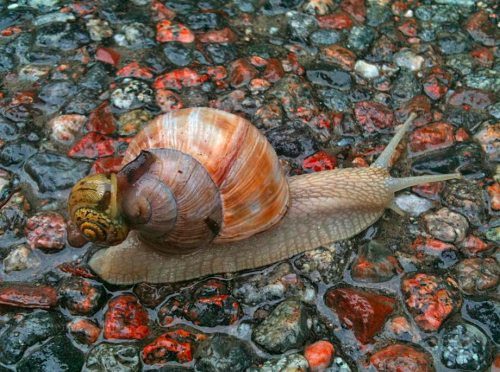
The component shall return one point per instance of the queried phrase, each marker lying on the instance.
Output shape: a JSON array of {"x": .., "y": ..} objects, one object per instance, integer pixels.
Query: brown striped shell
[{"x": 243, "y": 175}]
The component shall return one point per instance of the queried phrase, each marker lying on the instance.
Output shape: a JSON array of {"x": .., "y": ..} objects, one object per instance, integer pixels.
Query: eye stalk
[{"x": 93, "y": 208}]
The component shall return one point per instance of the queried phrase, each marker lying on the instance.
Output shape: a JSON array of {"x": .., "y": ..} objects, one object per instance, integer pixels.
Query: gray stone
[
  {"x": 446, "y": 225},
  {"x": 223, "y": 353},
  {"x": 113, "y": 358},
  {"x": 287, "y": 327},
  {"x": 287, "y": 363}
]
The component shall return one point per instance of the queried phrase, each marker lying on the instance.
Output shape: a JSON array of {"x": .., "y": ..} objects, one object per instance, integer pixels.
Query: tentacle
[
  {"x": 396, "y": 184},
  {"x": 384, "y": 158}
]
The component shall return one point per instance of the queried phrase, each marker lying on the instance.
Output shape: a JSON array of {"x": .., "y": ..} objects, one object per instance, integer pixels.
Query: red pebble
[
  {"x": 126, "y": 319},
  {"x": 27, "y": 295},
  {"x": 356, "y": 8},
  {"x": 133, "y": 69},
  {"x": 482, "y": 29},
  {"x": 319, "y": 161},
  {"x": 436, "y": 83},
  {"x": 335, "y": 21},
  {"x": 373, "y": 116},
  {"x": 484, "y": 56},
  {"x": 226, "y": 35},
  {"x": 340, "y": 56},
  {"x": 241, "y": 72},
  {"x": 75, "y": 269},
  {"x": 177, "y": 79},
  {"x": 84, "y": 330},
  {"x": 430, "y": 246},
  {"x": 46, "y": 230},
  {"x": 74, "y": 236},
  {"x": 168, "y": 100},
  {"x": 83, "y": 8},
  {"x": 494, "y": 194},
  {"x": 401, "y": 358},
  {"x": 101, "y": 120},
  {"x": 431, "y": 137},
  {"x": 319, "y": 355},
  {"x": 274, "y": 70},
  {"x": 472, "y": 245},
  {"x": 409, "y": 28},
  {"x": 364, "y": 312},
  {"x": 430, "y": 299},
  {"x": 175, "y": 346},
  {"x": 107, "y": 165},
  {"x": 429, "y": 190},
  {"x": 9, "y": 31},
  {"x": 167, "y": 30},
  {"x": 108, "y": 55},
  {"x": 217, "y": 72},
  {"x": 162, "y": 12},
  {"x": 95, "y": 145}
]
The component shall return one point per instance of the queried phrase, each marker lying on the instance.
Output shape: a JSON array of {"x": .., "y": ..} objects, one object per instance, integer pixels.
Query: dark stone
[
  {"x": 96, "y": 78},
  {"x": 58, "y": 354},
  {"x": 24, "y": 332},
  {"x": 289, "y": 142},
  {"x": 335, "y": 100},
  {"x": 452, "y": 43},
  {"x": 57, "y": 93},
  {"x": 275, "y": 7},
  {"x": 488, "y": 314},
  {"x": 465, "y": 158},
  {"x": 6, "y": 62},
  {"x": 222, "y": 353},
  {"x": 405, "y": 87},
  {"x": 324, "y": 37},
  {"x": 82, "y": 103},
  {"x": 360, "y": 38},
  {"x": 54, "y": 172},
  {"x": 377, "y": 14},
  {"x": 329, "y": 77},
  {"x": 178, "y": 54},
  {"x": 467, "y": 199},
  {"x": 204, "y": 21},
  {"x": 16, "y": 153},
  {"x": 221, "y": 53},
  {"x": 113, "y": 357},
  {"x": 62, "y": 36}
]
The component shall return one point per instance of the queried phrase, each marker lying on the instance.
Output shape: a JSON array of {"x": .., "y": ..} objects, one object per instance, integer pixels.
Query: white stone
[
  {"x": 412, "y": 204},
  {"x": 366, "y": 70},
  {"x": 409, "y": 60}
]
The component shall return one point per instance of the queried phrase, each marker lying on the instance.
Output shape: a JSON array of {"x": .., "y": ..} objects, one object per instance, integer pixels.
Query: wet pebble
[
  {"x": 360, "y": 38},
  {"x": 173, "y": 346},
  {"x": 430, "y": 299},
  {"x": 324, "y": 37},
  {"x": 373, "y": 116},
  {"x": 394, "y": 357},
  {"x": 223, "y": 352},
  {"x": 99, "y": 29},
  {"x": 286, "y": 363},
  {"x": 476, "y": 275},
  {"x": 20, "y": 258},
  {"x": 329, "y": 77},
  {"x": 24, "y": 331},
  {"x": 366, "y": 70},
  {"x": 53, "y": 172},
  {"x": 446, "y": 225},
  {"x": 131, "y": 122},
  {"x": 364, "y": 312},
  {"x": 27, "y": 295},
  {"x": 319, "y": 355},
  {"x": 177, "y": 54},
  {"x": 126, "y": 319},
  {"x": 375, "y": 263},
  {"x": 58, "y": 354},
  {"x": 486, "y": 312},
  {"x": 80, "y": 296},
  {"x": 412, "y": 204},
  {"x": 84, "y": 330},
  {"x": 64, "y": 128},
  {"x": 287, "y": 326},
  {"x": 409, "y": 60},
  {"x": 135, "y": 35},
  {"x": 465, "y": 347},
  {"x": 113, "y": 358},
  {"x": 271, "y": 285},
  {"x": 301, "y": 25},
  {"x": 326, "y": 264},
  {"x": 46, "y": 231},
  {"x": 132, "y": 94}
]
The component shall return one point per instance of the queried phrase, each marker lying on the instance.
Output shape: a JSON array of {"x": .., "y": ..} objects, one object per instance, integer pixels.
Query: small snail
[{"x": 202, "y": 192}]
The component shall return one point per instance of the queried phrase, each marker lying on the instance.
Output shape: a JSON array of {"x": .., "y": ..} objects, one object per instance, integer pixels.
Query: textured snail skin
[{"x": 323, "y": 207}]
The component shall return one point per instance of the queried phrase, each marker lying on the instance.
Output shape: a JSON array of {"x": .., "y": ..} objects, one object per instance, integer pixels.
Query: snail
[{"x": 201, "y": 192}]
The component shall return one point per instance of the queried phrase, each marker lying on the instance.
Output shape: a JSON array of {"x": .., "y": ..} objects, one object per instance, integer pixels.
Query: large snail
[{"x": 203, "y": 192}]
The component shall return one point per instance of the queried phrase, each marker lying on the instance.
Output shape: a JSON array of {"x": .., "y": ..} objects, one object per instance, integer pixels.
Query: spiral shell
[{"x": 251, "y": 185}]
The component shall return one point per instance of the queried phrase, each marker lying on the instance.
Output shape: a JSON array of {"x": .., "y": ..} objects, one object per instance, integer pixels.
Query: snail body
[{"x": 202, "y": 192}]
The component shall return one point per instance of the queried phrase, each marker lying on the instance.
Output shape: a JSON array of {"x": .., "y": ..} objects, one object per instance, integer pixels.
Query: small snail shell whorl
[
  {"x": 203, "y": 193},
  {"x": 192, "y": 177}
]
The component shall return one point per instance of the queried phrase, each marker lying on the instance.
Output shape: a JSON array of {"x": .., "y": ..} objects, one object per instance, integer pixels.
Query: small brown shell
[{"x": 252, "y": 186}]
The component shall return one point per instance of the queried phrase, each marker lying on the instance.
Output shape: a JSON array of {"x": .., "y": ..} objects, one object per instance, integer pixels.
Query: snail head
[{"x": 93, "y": 208}]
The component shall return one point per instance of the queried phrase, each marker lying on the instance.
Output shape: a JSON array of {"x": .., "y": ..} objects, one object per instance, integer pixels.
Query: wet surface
[{"x": 327, "y": 82}]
